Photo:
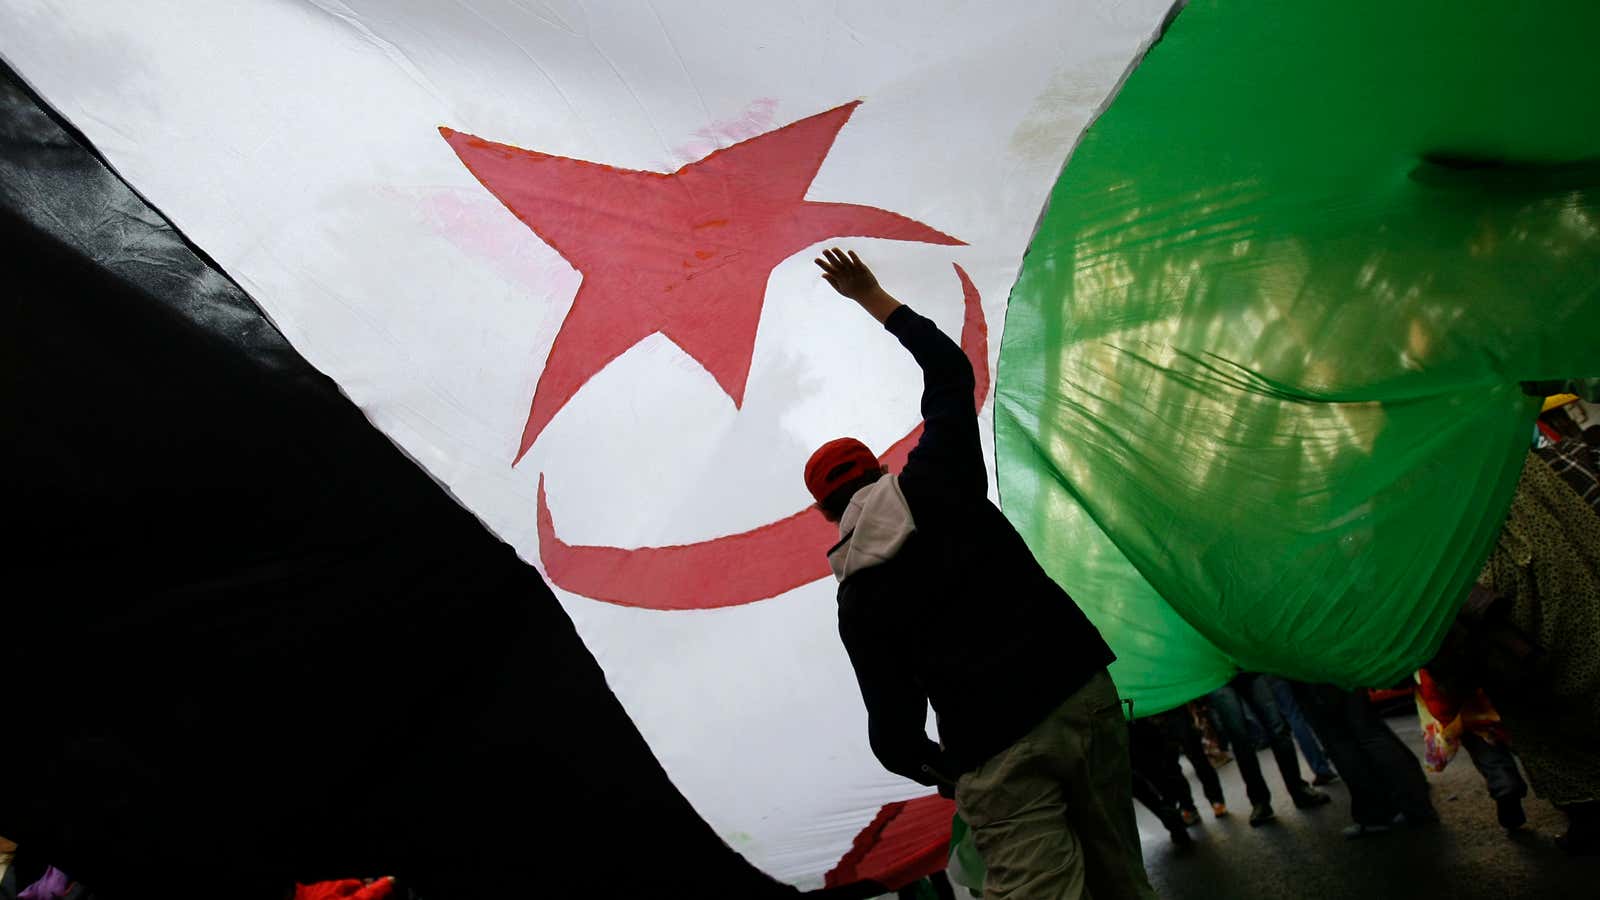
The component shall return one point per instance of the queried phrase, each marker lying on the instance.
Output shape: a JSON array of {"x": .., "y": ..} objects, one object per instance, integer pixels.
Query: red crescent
[{"x": 737, "y": 568}]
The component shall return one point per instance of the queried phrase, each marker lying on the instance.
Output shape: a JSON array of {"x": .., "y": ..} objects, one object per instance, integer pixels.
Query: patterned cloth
[
  {"x": 1578, "y": 464},
  {"x": 1445, "y": 719},
  {"x": 1548, "y": 560}
]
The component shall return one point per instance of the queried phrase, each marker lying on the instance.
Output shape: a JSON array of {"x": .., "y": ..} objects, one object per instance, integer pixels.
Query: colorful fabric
[
  {"x": 1259, "y": 401},
  {"x": 346, "y": 889},
  {"x": 1258, "y": 405},
  {"x": 907, "y": 840},
  {"x": 1446, "y": 719},
  {"x": 966, "y": 864},
  {"x": 560, "y": 255},
  {"x": 1577, "y": 462},
  {"x": 1548, "y": 560},
  {"x": 53, "y": 885}
]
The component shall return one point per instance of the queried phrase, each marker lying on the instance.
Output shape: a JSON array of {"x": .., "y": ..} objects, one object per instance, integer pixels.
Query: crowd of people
[
  {"x": 1342, "y": 733},
  {"x": 1537, "y": 594}
]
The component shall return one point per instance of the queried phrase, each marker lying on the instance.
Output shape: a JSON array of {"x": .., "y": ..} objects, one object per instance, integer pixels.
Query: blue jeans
[
  {"x": 1303, "y": 735},
  {"x": 1229, "y": 701},
  {"x": 1497, "y": 765},
  {"x": 1180, "y": 731}
]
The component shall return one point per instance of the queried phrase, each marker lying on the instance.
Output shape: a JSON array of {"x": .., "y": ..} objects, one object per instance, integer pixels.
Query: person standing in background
[
  {"x": 1321, "y": 769},
  {"x": 1230, "y": 700}
]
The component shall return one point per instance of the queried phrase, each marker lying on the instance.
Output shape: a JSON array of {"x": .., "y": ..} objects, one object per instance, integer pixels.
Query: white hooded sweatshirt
[{"x": 873, "y": 528}]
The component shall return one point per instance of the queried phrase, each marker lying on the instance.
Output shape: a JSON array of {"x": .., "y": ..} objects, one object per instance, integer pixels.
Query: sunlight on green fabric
[{"x": 1258, "y": 398}]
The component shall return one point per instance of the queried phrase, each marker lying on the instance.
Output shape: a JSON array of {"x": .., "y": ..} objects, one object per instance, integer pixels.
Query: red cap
[{"x": 836, "y": 464}]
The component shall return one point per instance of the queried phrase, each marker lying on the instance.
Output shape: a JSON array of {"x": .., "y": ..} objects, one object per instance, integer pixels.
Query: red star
[{"x": 686, "y": 254}]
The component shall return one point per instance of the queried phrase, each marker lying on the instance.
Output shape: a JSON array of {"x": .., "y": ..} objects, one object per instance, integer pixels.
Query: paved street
[{"x": 1466, "y": 857}]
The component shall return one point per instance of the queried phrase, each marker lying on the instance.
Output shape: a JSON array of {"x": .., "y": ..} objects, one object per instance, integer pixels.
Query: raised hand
[{"x": 848, "y": 275}]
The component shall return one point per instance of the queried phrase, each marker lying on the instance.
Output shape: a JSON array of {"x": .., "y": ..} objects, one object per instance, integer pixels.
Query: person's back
[
  {"x": 941, "y": 601},
  {"x": 992, "y": 640}
]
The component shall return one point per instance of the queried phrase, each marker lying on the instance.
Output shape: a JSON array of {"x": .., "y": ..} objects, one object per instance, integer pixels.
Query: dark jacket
[{"x": 949, "y": 606}]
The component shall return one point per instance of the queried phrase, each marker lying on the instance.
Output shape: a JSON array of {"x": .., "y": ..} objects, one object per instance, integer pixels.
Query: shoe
[
  {"x": 1511, "y": 815},
  {"x": 1181, "y": 839},
  {"x": 1325, "y": 779},
  {"x": 1353, "y": 832},
  {"x": 1306, "y": 798},
  {"x": 1218, "y": 810},
  {"x": 1261, "y": 814},
  {"x": 1190, "y": 816}
]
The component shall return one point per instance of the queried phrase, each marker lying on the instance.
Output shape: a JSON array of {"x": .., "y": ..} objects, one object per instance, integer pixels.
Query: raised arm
[{"x": 948, "y": 458}]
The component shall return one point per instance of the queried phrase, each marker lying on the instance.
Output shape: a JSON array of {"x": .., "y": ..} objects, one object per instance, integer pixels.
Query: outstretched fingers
[{"x": 835, "y": 262}]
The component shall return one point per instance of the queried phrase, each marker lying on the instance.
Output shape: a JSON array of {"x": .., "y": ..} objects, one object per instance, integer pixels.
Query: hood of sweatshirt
[{"x": 873, "y": 528}]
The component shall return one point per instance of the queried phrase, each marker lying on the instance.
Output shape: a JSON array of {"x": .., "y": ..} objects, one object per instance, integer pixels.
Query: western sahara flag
[{"x": 560, "y": 255}]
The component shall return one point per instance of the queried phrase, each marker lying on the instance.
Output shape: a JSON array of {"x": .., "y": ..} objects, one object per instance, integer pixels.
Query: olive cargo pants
[{"x": 1052, "y": 815}]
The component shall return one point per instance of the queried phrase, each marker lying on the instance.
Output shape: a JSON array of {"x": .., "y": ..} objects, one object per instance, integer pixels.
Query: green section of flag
[{"x": 1258, "y": 393}]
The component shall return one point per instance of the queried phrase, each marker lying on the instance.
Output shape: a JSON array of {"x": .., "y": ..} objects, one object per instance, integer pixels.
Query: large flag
[
  {"x": 1259, "y": 402},
  {"x": 252, "y": 642},
  {"x": 1256, "y": 395},
  {"x": 560, "y": 255}
]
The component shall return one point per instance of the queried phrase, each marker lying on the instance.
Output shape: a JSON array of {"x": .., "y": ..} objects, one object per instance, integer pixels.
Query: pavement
[{"x": 1467, "y": 856}]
